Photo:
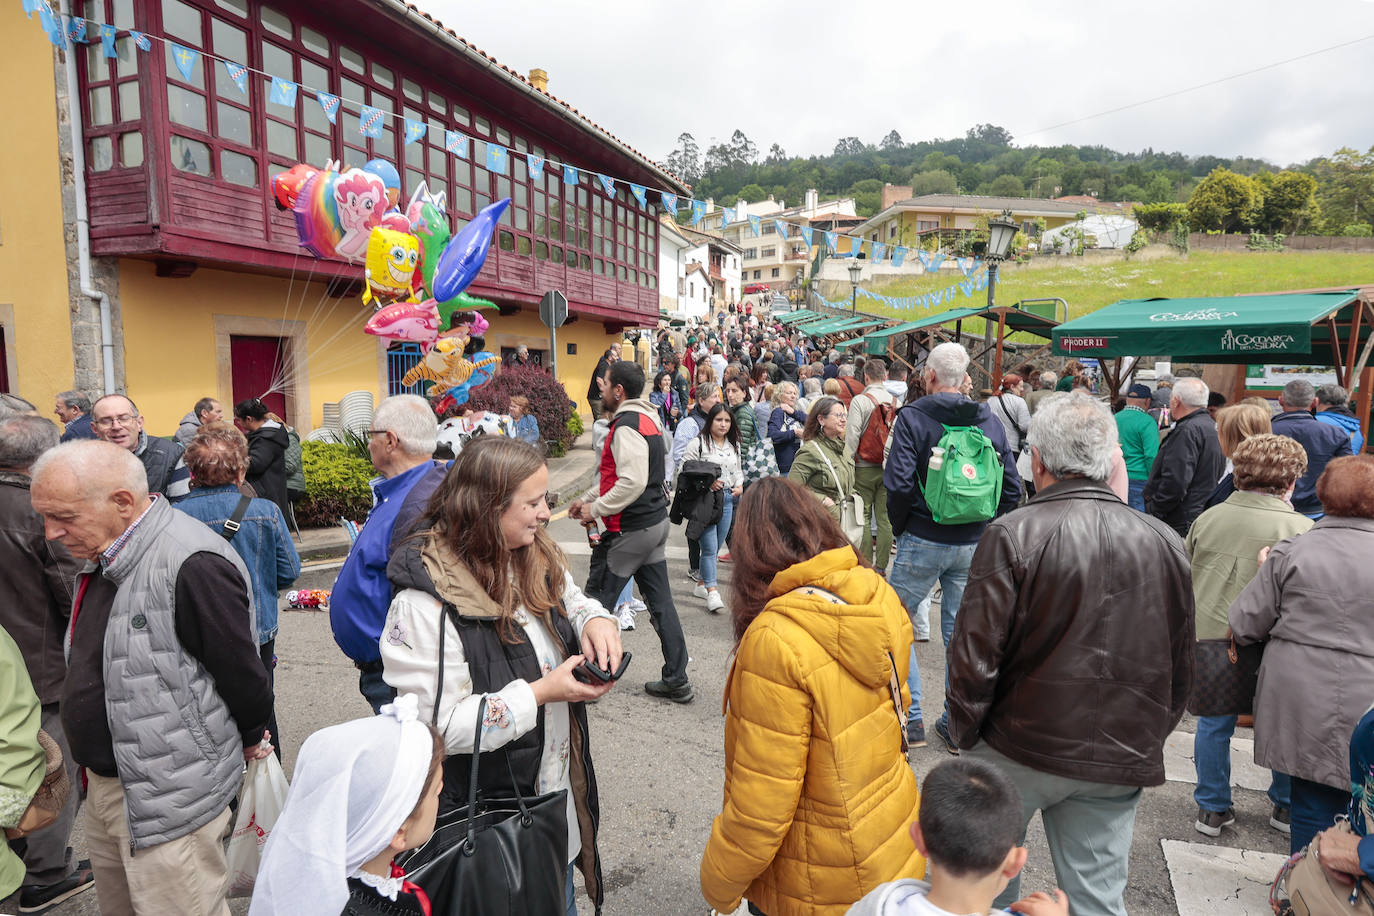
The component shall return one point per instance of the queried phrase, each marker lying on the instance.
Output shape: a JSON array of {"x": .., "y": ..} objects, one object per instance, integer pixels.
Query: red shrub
[{"x": 548, "y": 401}]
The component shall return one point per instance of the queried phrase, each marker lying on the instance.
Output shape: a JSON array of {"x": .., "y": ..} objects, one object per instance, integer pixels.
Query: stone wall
[
  {"x": 1202, "y": 241},
  {"x": 84, "y": 311}
]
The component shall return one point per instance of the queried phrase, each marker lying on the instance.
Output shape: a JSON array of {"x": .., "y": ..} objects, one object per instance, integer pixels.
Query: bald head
[{"x": 88, "y": 492}]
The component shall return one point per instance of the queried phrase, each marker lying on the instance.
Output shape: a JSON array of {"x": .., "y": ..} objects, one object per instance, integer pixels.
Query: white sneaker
[
  {"x": 636, "y": 605},
  {"x": 700, "y": 590},
  {"x": 714, "y": 602},
  {"x": 626, "y": 615}
]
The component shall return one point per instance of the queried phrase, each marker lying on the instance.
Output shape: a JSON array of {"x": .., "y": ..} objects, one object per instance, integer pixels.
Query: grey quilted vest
[{"x": 179, "y": 753}]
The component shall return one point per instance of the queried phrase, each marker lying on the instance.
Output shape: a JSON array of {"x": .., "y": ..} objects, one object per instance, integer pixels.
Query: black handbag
[
  {"x": 1224, "y": 677},
  {"x": 493, "y": 856}
]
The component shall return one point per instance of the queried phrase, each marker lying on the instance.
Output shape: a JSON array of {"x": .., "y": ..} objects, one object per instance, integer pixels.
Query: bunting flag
[
  {"x": 967, "y": 286},
  {"x": 283, "y": 92},
  {"x": 807, "y": 234},
  {"x": 570, "y": 176},
  {"x": 497, "y": 159},
  {"x": 107, "y": 38},
  {"x": 607, "y": 184},
  {"x": 898, "y": 256},
  {"x": 832, "y": 241},
  {"x": 967, "y": 265},
  {"x": 31, "y": 7},
  {"x": 756, "y": 223},
  {"x": 76, "y": 30},
  {"x": 330, "y": 104},
  {"x": 238, "y": 73},
  {"x": 728, "y": 216},
  {"x": 781, "y": 227},
  {"x": 52, "y": 26},
  {"x": 641, "y": 194},
  {"x": 456, "y": 143},
  {"x": 141, "y": 41},
  {"x": 856, "y": 246},
  {"x": 698, "y": 211},
  {"x": 185, "y": 59},
  {"x": 536, "y": 166},
  {"x": 926, "y": 301},
  {"x": 415, "y": 129},
  {"x": 370, "y": 122},
  {"x": 669, "y": 201},
  {"x": 935, "y": 260}
]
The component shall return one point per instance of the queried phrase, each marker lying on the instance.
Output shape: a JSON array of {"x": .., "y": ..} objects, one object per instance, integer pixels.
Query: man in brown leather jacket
[{"x": 1072, "y": 655}]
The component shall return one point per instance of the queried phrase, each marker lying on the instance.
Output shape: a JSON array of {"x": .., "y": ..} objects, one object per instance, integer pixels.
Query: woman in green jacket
[
  {"x": 821, "y": 464},
  {"x": 737, "y": 396},
  {"x": 21, "y": 759}
]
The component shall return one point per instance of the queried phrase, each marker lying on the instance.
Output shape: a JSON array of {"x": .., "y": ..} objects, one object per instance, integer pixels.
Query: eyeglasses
[
  {"x": 109, "y": 422},
  {"x": 375, "y": 432}
]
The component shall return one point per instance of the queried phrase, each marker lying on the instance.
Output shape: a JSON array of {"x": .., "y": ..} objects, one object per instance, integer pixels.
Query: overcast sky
[{"x": 803, "y": 73}]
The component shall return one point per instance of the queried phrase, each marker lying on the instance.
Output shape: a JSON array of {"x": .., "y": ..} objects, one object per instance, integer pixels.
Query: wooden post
[{"x": 1364, "y": 399}]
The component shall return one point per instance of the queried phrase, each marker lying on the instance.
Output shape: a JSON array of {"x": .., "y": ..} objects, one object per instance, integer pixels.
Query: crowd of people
[{"x": 1084, "y": 555}]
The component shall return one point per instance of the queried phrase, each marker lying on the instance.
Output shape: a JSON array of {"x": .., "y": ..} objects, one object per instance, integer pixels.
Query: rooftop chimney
[
  {"x": 710, "y": 205},
  {"x": 539, "y": 79},
  {"x": 812, "y": 201}
]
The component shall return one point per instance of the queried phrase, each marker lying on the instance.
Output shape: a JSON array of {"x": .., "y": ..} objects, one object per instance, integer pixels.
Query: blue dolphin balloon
[{"x": 464, "y": 255}]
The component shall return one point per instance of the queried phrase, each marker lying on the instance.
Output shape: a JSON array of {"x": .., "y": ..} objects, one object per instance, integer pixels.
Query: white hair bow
[{"x": 405, "y": 708}]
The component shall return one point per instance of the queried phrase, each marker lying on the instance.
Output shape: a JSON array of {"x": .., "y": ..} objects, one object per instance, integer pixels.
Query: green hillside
[{"x": 1087, "y": 285}]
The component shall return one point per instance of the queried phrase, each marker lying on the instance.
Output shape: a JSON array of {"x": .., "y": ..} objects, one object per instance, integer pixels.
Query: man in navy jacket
[
  {"x": 1321, "y": 441},
  {"x": 927, "y": 551}
]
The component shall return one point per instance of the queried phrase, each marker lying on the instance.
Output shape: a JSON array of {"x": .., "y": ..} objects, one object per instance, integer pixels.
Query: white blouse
[
  {"x": 725, "y": 456},
  {"x": 410, "y": 658}
]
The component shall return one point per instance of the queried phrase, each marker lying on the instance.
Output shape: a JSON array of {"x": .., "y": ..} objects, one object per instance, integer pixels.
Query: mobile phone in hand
[{"x": 590, "y": 673}]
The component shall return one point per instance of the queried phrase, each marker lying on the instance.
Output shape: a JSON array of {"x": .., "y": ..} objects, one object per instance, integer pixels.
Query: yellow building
[
  {"x": 907, "y": 221},
  {"x": 141, "y": 249}
]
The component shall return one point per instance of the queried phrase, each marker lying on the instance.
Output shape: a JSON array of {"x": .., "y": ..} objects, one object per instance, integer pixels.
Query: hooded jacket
[
  {"x": 1343, "y": 419},
  {"x": 917, "y": 428},
  {"x": 1322, "y": 442},
  {"x": 267, "y": 463},
  {"x": 818, "y": 791},
  {"x": 190, "y": 425},
  {"x": 630, "y": 494}
]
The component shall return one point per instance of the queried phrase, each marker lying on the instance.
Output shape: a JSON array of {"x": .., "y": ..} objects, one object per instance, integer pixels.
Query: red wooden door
[{"x": 258, "y": 362}]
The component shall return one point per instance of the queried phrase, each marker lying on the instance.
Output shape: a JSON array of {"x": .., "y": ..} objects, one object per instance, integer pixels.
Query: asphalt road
[{"x": 660, "y": 765}]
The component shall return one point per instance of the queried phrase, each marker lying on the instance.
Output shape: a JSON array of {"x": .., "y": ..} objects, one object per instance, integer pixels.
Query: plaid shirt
[{"x": 108, "y": 555}]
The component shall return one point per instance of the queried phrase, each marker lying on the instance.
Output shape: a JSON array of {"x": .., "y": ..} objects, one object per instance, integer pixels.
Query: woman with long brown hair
[
  {"x": 818, "y": 791},
  {"x": 514, "y": 626}
]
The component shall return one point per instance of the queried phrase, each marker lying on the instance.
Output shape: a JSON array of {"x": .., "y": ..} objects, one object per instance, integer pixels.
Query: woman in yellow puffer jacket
[{"x": 818, "y": 791}]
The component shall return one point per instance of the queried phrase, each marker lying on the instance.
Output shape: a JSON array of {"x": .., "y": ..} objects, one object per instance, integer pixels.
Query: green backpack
[{"x": 967, "y": 487}]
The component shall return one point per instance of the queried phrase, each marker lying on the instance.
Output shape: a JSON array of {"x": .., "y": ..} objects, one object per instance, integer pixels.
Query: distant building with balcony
[
  {"x": 208, "y": 292},
  {"x": 781, "y": 262}
]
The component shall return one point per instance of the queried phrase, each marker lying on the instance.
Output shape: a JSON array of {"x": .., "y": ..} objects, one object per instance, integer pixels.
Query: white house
[{"x": 673, "y": 255}]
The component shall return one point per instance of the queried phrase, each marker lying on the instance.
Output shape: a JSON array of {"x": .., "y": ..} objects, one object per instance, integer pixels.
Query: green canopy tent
[
  {"x": 1324, "y": 327},
  {"x": 794, "y": 317},
  {"x": 1009, "y": 318}
]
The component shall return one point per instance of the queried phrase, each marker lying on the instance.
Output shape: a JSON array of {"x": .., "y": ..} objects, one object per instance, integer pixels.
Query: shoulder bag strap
[
  {"x": 839, "y": 490},
  {"x": 231, "y": 527},
  {"x": 1020, "y": 433}
]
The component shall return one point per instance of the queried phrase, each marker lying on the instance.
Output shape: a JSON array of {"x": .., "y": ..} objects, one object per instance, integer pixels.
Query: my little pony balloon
[
  {"x": 391, "y": 179},
  {"x": 359, "y": 201},
  {"x": 463, "y": 257}
]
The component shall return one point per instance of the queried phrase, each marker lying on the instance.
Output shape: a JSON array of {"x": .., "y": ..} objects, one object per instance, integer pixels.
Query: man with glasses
[
  {"x": 115, "y": 418},
  {"x": 401, "y": 445}
]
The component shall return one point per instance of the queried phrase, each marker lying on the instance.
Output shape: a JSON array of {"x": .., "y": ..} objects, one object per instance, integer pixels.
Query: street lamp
[
  {"x": 855, "y": 273},
  {"x": 1000, "y": 233}
]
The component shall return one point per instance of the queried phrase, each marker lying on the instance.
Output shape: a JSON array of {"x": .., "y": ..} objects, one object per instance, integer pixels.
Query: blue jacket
[
  {"x": 1342, "y": 418},
  {"x": 526, "y": 429},
  {"x": 1322, "y": 442},
  {"x": 917, "y": 428},
  {"x": 263, "y": 542},
  {"x": 80, "y": 428},
  {"x": 785, "y": 441},
  {"x": 362, "y": 594}
]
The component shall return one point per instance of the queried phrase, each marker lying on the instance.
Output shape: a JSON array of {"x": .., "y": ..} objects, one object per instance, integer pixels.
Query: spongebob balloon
[{"x": 391, "y": 260}]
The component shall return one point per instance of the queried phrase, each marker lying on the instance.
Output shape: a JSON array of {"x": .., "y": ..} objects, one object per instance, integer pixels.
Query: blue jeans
[
  {"x": 1212, "y": 762},
  {"x": 918, "y": 566},
  {"x": 376, "y": 691},
  {"x": 1135, "y": 494},
  {"x": 626, "y": 594},
  {"x": 711, "y": 541},
  {"x": 1315, "y": 807},
  {"x": 570, "y": 897}
]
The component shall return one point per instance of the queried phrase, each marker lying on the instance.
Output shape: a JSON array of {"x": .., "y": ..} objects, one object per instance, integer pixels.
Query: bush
[
  {"x": 575, "y": 427},
  {"x": 548, "y": 401},
  {"x": 1357, "y": 231},
  {"x": 1160, "y": 216},
  {"x": 336, "y": 485}
]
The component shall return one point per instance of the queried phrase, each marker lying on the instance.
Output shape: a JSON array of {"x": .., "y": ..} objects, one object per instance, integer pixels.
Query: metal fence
[{"x": 400, "y": 359}]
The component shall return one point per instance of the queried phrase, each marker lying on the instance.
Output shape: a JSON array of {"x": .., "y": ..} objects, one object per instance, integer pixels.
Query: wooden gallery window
[{"x": 111, "y": 103}]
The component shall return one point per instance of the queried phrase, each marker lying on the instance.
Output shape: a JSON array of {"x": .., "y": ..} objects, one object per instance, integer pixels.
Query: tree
[
  {"x": 1345, "y": 181},
  {"x": 937, "y": 181},
  {"x": 849, "y": 146},
  {"x": 685, "y": 159},
  {"x": 742, "y": 149},
  {"x": 1290, "y": 202},
  {"x": 1005, "y": 186},
  {"x": 776, "y": 155},
  {"x": 752, "y": 192},
  {"x": 1159, "y": 190},
  {"x": 892, "y": 141},
  {"x": 1225, "y": 201},
  {"x": 990, "y": 134}
]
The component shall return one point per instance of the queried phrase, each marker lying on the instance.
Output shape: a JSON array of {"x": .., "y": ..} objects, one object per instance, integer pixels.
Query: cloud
[{"x": 803, "y": 74}]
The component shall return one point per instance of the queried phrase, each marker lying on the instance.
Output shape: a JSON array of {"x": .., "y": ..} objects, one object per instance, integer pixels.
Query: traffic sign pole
[{"x": 553, "y": 311}]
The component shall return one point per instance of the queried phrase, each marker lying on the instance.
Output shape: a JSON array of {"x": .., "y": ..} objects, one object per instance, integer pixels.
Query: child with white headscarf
[{"x": 363, "y": 792}]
